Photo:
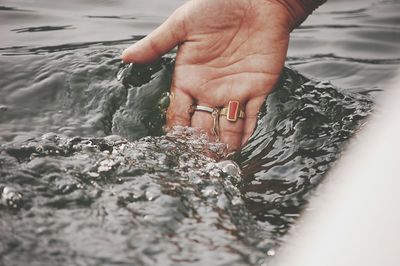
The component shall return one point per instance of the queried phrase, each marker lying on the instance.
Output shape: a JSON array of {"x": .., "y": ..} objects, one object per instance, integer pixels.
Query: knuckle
[
  {"x": 231, "y": 133},
  {"x": 177, "y": 119}
]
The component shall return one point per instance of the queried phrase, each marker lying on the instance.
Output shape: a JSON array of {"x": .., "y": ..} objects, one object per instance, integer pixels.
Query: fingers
[
  {"x": 157, "y": 43},
  {"x": 205, "y": 121},
  {"x": 252, "y": 108},
  {"x": 233, "y": 133},
  {"x": 178, "y": 112}
]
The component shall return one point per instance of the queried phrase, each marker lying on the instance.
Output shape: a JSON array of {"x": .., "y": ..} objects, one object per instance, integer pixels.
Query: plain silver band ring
[
  {"x": 215, "y": 114},
  {"x": 204, "y": 108}
]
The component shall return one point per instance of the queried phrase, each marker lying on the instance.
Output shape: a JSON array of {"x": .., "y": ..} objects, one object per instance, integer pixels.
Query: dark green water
[{"x": 88, "y": 178}]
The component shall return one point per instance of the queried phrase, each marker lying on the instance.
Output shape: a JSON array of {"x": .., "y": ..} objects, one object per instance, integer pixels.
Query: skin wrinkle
[
  {"x": 230, "y": 72},
  {"x": 232, "y": 67},
  {"x": 238, "y": 61},
  {"x": 267, "y": 83},
  {"x": 230, "y": 42},
  {"x": 236, "y": 33},
  {"x": 222, "y": 58},
  {"x": 179, "y": 24},
  {"x": 217, "y": 43},
  {"x": 228, "y": 75},
  {"x": 213, "y": 46},
  {"x": 230, "y": 131}
]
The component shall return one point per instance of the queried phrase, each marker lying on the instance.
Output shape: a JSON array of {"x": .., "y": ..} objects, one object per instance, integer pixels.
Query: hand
[{"x": 228, "y": 50}]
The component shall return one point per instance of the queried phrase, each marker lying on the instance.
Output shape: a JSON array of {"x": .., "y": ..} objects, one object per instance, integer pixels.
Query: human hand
[{"x": 228, "y": 50}]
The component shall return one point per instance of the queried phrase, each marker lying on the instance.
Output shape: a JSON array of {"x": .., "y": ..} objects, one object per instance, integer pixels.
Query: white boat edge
[{"x": 354, "y": 217}]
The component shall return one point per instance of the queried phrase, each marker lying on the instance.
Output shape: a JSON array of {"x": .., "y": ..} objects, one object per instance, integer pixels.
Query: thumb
[{"x": 161, "y": 40}]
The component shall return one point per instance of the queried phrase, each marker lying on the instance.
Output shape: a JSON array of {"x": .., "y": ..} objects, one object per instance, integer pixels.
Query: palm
[{"x": 230, "y": 50}]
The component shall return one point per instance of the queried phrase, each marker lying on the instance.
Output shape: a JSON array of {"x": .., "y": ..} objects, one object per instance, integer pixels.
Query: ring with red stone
[{"x": 232, "y": 112}]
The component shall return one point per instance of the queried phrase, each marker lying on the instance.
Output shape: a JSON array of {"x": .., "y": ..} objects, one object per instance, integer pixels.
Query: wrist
[{"x": 298, "y": 10}]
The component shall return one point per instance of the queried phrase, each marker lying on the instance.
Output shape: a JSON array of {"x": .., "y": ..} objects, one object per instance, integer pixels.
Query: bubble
[
  {"x": 209, "y": 191},
  {"x": 123, "y": 71},
  {"x": 271, "y": 252},
  {"x": 11, "y": 198},
  {"x": 229, "y": 167}
]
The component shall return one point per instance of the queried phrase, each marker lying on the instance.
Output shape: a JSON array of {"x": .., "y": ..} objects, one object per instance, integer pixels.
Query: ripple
[
  {"x": 8, "y": 8},
  {"x": 111, "y": 17},
  {"x": 43, "y": 28},
  {"x": 120, "y": 197},
  {"x": 300, "y": 134}
]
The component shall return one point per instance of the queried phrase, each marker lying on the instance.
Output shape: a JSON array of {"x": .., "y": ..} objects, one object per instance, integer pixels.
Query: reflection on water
[
  {"x": 161, "y": 200},
  {"x": 73, "y": 192},
  {"x": 354, "y": 44},
  {"x": 300, "y": 133}
]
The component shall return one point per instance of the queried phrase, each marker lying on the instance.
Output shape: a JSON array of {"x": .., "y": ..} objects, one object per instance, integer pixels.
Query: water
[{"x": 88, "y": 178}]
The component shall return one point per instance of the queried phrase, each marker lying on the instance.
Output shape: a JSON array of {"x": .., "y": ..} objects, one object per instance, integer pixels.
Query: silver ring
[
  {"x": 215, "y": 114},
  {"x": 204, "y": 108}
]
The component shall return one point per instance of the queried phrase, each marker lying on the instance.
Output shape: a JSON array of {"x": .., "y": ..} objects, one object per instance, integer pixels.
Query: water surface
[{"x": 87, "y": 176}]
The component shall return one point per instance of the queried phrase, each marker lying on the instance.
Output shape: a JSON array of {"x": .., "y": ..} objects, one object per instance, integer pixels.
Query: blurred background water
[{"x": 73, "y": 194}]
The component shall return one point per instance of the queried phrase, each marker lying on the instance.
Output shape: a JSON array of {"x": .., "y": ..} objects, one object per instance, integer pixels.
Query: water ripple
[{"x": 43, "y": 28}]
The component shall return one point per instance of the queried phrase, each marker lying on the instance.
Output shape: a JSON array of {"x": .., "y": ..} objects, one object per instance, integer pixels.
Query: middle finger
[{"x": 206, "y": 120}]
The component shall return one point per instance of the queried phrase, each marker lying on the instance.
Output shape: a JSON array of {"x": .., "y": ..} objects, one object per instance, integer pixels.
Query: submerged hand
[{"x": 228, "y": 50}]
